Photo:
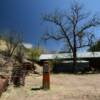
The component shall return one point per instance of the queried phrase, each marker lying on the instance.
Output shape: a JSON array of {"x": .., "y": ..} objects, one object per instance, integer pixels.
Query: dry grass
[{"x": 63, "y": 87}]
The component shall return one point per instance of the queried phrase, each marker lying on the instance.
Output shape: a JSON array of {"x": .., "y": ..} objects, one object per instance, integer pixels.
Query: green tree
[
  {"x": 34, "y": 53},
  {"x": 95, "y": 47}
]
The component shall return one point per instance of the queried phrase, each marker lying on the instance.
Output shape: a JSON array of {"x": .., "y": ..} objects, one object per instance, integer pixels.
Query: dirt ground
[{"x": 63, "y": 87}]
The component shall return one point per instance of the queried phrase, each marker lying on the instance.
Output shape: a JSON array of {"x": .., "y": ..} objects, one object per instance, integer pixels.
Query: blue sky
[{"x": 26, "y": 16}]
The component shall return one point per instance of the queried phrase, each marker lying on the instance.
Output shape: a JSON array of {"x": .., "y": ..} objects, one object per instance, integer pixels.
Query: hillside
[{"x": 2, "y": 45}]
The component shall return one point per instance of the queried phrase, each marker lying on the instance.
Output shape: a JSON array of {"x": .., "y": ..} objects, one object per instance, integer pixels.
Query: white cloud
[{"x": 28, "y": 45}]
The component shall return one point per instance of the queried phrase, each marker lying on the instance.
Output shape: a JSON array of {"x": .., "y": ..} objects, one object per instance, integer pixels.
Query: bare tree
[
  {"x": 19, "y": 55},
  {"x": 75, "y": 28},
  {"x": 12, "y": 40}
]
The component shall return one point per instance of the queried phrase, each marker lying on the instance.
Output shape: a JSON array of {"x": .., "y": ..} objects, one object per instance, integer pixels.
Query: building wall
[
  {"x": 69, "y": 68},
  {"x": 95, "y": 64}
]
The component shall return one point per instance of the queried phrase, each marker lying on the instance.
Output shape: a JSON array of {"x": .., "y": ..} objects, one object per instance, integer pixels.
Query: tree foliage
[
  {"x": 34, "y": 53},
  {"x": 95, "y": 47}
]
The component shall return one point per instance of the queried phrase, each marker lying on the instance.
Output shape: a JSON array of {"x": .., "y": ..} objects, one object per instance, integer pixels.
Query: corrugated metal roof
[
  {"x": 78, "y": 61},
  {"x": 69, "y": 55}
]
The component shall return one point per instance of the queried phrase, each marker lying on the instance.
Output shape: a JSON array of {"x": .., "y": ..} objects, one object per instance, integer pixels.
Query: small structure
[{"x": 93, "y": 58}]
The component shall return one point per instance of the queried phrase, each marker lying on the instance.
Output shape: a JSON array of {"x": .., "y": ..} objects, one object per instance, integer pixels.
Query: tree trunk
[
  {"x": 74, "y": 52},
  {"x": 74, "y": 60}
]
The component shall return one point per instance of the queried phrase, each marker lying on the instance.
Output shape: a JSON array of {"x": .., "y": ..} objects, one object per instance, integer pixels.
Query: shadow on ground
[{"x": 36, "y": 88}]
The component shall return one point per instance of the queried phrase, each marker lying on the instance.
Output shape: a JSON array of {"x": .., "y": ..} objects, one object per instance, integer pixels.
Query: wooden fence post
[{"x": 46, "y": 75}]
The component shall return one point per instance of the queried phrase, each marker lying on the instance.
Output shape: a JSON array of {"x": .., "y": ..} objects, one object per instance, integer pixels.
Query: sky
[{"x": 26, "y": 16}]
